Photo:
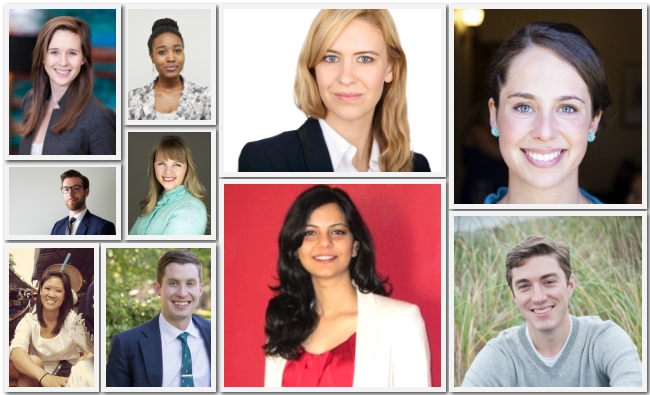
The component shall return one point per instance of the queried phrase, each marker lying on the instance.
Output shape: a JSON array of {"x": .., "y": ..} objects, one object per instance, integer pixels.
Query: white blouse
[{"x": 62, "y": 347}]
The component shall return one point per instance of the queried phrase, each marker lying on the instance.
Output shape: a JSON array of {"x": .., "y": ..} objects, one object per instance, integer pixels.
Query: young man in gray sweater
[{"x": 552, "y": 348}]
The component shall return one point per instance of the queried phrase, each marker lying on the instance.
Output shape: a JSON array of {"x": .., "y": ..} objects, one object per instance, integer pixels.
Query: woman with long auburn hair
[
  {"x": 61, "y": 114},
  {"x": 351, "y": 84},
  {"x": 175, "y": 204}
]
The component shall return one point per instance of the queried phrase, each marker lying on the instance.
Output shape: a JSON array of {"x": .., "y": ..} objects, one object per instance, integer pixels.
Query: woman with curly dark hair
[{"x": 331, "y": 322}]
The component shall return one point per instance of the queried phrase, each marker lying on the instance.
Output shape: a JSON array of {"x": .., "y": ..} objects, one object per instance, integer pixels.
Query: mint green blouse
[{"x": 177, "y": 212}]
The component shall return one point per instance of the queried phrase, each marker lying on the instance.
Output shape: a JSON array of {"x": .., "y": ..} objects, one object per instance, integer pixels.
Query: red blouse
[{"x": 333, "y": 368}]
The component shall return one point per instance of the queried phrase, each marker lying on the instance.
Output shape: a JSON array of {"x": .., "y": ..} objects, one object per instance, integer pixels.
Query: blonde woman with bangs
[
  {"x": 351, "y": 84},
  {"x": 175, "y": 204}
]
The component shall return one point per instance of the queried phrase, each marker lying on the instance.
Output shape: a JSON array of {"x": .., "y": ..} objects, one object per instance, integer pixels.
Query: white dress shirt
[
  {"x": 79, "y": 216},
  {"x": 171, "y": 352},
  {"x": 342, "y": 152}
]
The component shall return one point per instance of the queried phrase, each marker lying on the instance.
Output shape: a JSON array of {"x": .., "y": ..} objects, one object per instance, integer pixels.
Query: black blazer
[
  {"x": 93, "y": 134},
  {"x": 298, "y": 150}
]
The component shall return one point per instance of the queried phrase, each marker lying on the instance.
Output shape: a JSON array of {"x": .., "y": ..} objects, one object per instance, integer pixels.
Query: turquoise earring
[
  {"x": 495, "y": 132},
  {"x": 591, "y": 137}
]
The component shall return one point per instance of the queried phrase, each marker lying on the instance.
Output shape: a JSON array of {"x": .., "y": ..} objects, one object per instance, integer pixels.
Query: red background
[{"x": 404, "y": 221}]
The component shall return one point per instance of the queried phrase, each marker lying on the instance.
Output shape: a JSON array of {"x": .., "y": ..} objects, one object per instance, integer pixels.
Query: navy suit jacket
[
  {"x": 90, "y": 225},
  {"x": 298, "y": 150},
  {"x": 135, "y": 357}
]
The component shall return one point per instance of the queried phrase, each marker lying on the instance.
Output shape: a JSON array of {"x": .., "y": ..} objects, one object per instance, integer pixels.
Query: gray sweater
[{"x": 598, "y": 354}]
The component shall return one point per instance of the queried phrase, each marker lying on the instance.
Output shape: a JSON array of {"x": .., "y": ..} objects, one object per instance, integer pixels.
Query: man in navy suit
[
  {"x": 154, "y": 354},
  {"x": 75, "y": 188}
]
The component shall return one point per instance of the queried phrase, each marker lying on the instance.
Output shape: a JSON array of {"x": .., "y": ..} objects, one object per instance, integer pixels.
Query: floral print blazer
[{"x": 195, "y": 102}]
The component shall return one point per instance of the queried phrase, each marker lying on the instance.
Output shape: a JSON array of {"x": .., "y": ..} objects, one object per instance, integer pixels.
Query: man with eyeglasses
[{"x": 75, "y": 188}]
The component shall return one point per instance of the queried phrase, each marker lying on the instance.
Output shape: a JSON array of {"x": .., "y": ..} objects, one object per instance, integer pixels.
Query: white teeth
[
  {"x": 181, "y": 303},
  {"x": 543, "y": 157},
  {"x": 542, "y": 311},
  {"x": 324, "y": 257}
]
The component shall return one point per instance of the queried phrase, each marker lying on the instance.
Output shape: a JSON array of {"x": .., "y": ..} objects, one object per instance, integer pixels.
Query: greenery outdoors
[
  {"x": 606, "y": 259},
  {"x": 130, "y": 298}
]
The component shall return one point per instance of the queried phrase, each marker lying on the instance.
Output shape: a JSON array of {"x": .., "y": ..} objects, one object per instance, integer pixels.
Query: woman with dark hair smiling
[
  {"x": 331, "y": 322},
  {"x": 548, "y": 92},
  {"x": 43, "y": 349},
  {"x": 169, "y": 96},
  {"x": 61, "y": 114}
]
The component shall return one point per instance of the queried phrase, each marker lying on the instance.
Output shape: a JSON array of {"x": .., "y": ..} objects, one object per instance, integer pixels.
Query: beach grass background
[{"x": 606, "y": 258}]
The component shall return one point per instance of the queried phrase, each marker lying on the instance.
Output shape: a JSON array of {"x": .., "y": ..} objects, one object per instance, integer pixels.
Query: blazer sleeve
[
  {"x": 118, "y": 373},
  {"x": 107, "y": 228},
  {"x": 411, "y": 359},
  {"x": 102, "y": 135},
  {"x": 253, "y": 157}
]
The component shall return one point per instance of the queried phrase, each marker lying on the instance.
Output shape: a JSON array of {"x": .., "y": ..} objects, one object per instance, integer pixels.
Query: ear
[
  {"x": 355, "y": 249},
  {"x": 151, "y": 57},
  {"x": 201, "y": 289},
  {"x": 593, "y": 127},
  {"x": 571, "y": 285},
  {"x": 389, "y": 74},
  {"x": 156, "y": 288},
  {"x": 493, "y": 113},
  {"x": 87, "y": 191}
]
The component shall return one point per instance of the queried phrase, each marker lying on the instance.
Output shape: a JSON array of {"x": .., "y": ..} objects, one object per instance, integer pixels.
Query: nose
[
  {"x": 545, "y": 128},
  {"x": 325, "y": 240},
  {"x": 171, "y": 56},
  {"x": 538, "y": 295},
  {"x": 347, "y": 75},
  {"x": 182, "y": 290}
]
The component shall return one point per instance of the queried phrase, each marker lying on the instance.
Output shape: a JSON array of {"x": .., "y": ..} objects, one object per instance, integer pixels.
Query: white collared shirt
[
  {"x": 171, "y": 353},
  {"x": 78, "y": 217},
  {"x": 342, "y": 152},
  {"x": 548, "y": 361}
]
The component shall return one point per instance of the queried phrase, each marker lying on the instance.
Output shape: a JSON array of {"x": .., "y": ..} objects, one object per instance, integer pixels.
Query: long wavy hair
[
  {"x": 80, "y": 90},
  {"x": 174, "y": 148},
  {"x": 290, "y": 315},
  {"x": 66, "y": 306},
  {"x": 390, "y": 124}
]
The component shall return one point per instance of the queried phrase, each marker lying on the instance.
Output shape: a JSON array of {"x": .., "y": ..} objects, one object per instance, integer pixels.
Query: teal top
[
  {"x": 501, "y": 192},
  {"x": 177, "y": 212}
]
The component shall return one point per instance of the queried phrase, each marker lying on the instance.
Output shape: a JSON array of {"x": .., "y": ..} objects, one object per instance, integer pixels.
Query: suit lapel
[
  {"x": 83, "y": 226},
  {"x": 151, "y": 350},
  {"x": 205, "y": 333},
  {"x": 366, "y": 347},
  {"x": 317, "y": 157}
]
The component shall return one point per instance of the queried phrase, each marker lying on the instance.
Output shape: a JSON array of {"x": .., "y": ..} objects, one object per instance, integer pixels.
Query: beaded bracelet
[{"x": 39, "y": 381}]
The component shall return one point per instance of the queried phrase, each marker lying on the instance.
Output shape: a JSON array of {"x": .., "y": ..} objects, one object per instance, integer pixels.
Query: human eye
[
  {"x": 161, "y": 52},
  {"x": 568, "y": 109},
  {"x": 73, "y": 52},
  {"x": 309, "y": 232},
  {"x": 330, "y": 58},
  {"x": 522, "y": 287},
  {"x": 523, "y": 108},
  {"x": 65, "y": 190},
  {"x": 339, "y": 232},
  {"x": 179, "y": 50},
  {"x": 365, "y": 59},
  {"x": 178, "y": 164},
  {"x": 54, "y": 52},
  {"x": 550, "y": 282}
]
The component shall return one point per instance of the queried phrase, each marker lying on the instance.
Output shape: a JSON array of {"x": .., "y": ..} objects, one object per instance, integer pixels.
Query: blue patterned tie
[{"x": 187, "y": 380}]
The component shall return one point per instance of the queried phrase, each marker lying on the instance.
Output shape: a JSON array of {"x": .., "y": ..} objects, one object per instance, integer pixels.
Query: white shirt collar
[
  {"x": 169, "y": 332},
  {"x": 342, "y": 152}
]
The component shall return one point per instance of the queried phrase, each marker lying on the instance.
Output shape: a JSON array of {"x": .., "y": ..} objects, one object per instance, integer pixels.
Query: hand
[{"x": 54, "y": 381}]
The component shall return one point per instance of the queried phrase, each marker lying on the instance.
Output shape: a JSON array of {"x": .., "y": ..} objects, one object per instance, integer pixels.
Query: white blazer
[{"x": 391, "y": 349}]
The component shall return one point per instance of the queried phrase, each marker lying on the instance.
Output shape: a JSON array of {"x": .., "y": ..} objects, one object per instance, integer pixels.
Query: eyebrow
[
  {"x": 70, "y": 49},
  {"x": 174, "y": 45},
  {"x": 544, "y": 277},
  {"x": 533, "y": 97},
  {"x": 356, "y": 53},
  {"x": 330, "y": 226}
]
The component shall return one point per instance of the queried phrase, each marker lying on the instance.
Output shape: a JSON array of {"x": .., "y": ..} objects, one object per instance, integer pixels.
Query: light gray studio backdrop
[
  {"x": 258, "y": 60},
  {"x": 36, "y": 201},
  {"x": 194, "y": 25},
  {"x": 140, "y": 145}
]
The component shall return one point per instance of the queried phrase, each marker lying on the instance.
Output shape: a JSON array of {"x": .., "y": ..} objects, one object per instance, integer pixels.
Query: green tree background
[{"x": 130, "y": 298}]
